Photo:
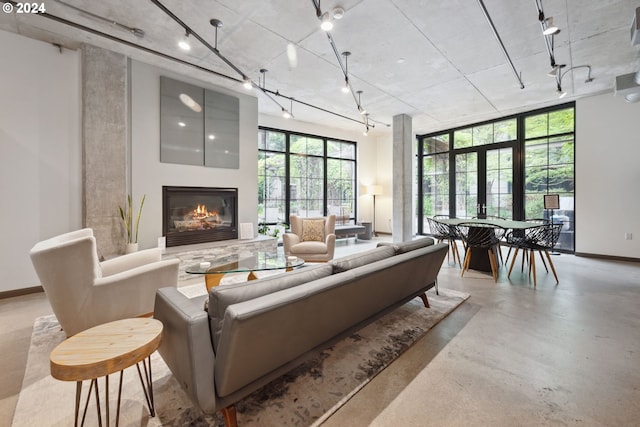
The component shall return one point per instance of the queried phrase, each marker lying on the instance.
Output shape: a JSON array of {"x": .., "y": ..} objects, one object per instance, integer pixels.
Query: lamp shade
[{"x": 374, "y": 190}]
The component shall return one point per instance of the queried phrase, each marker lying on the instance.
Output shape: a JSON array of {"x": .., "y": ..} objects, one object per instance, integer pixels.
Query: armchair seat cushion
[{"x": 303, "y": 248}]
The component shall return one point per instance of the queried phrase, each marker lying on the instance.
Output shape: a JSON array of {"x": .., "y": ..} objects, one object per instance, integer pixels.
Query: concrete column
[
  {"x": 402, "y": 178},
  {"x": 105, "y": 124}
]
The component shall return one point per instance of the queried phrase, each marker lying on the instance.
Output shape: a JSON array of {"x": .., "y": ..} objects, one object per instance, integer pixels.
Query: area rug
[{"x": 306, "y": 396}]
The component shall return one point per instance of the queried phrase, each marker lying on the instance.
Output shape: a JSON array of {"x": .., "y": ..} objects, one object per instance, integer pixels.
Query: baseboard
[
  {"x": 608, "y": 257},
  {"x": 20, "y": 292}
]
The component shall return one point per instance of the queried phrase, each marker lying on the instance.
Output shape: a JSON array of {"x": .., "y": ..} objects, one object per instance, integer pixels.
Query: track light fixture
[
  {"x": 548, "y": 32},
  {"x": 263, "y": 71},
  {"x": 338, "y": 12},
  {"x": 346, "y": 88},
  {"x": 550, "y": 29},
  {"x": 247, "y": 83},
  {"x": 560, "y": 75},
  {"x": 327, "y": 24},
  {"x": 360, "y": 108},
  {"x": 184, "y": 44},
  {"x": 288, "y": 114}
]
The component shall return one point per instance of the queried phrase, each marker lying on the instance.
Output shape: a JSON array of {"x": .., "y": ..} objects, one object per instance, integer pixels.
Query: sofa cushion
[
  {"x": 313, "y": 230},
  {"x": 220, "y": 297},
  {"x": 362, "y": 258},
  {"x": 411, "y": 245}
]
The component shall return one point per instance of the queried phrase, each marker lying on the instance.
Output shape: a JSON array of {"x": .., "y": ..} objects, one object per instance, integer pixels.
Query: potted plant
[{"x": 127, "y": 219}]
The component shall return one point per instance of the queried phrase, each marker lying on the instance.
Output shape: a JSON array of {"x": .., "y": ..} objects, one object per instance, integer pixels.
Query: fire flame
[{"x": 201, "y": 212}]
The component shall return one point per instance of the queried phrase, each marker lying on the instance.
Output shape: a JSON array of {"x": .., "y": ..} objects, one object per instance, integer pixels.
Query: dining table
[{"x": 480, "y": 259}]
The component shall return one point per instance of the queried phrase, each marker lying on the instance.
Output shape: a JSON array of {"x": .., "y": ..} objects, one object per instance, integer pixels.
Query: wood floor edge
[{"x": 20, "y": 292}]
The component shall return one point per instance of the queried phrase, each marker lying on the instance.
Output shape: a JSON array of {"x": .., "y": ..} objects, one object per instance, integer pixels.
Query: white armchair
[
  {"x": 84, "y": 292},
  {"x": 312, "y": 239}
]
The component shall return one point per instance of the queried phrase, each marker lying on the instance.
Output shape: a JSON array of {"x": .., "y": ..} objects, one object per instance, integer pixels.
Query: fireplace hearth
[{"x": 193, "y": 215}]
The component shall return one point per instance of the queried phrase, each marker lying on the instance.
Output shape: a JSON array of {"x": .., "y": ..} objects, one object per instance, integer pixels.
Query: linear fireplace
[{"x": 199, "y": 214}]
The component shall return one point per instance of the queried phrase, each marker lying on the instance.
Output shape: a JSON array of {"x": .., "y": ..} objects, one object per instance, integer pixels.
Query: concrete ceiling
[{"x": 435, "y": 60}]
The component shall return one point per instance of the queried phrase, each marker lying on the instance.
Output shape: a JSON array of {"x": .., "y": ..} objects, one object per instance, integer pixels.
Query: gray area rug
[{"x": 303, "y": 397}]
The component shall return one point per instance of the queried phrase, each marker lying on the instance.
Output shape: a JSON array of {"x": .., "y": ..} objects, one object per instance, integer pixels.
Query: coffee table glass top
[{"x": 257, "y": 261}]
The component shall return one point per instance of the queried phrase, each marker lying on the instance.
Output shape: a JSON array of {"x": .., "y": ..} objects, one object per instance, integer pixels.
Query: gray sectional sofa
[{"x": 256, "y": 331}]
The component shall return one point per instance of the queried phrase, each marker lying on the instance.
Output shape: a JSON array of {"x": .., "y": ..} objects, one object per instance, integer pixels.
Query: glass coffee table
[{"x": 215, "y": 269}]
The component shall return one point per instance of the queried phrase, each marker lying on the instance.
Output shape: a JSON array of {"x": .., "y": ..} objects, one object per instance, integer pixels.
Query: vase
[{"x": 130, "y": 248}]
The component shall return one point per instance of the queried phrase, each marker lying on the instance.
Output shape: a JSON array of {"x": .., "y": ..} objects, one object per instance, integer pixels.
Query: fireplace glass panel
[{"x": 198, "y": 215}]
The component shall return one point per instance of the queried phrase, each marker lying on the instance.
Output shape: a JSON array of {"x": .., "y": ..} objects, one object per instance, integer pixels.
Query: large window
[
  {"x": 501, "y": 168},
  {"x": 305, "y": 175},
  {"x": 549, "y": 169}
]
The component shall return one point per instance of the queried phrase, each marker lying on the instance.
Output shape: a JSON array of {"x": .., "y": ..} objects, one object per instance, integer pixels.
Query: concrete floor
[{"x": 511, "y": 355}]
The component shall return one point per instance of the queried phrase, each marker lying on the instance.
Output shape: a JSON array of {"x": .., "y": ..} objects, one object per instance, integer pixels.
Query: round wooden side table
[{"x": 103, "y": 350}]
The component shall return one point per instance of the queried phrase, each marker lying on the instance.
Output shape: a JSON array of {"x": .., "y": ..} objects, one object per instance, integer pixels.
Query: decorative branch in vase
[{"x": 126, "y": 215}]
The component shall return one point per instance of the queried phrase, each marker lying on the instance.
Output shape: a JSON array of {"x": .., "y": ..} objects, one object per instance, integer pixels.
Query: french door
[{"x": 484, "y": 182}]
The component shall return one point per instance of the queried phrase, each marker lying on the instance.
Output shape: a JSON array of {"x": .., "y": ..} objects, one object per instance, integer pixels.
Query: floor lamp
[{"x": 374, "y": 190}]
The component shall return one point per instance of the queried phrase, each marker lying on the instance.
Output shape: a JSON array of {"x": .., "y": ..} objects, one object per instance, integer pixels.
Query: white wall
[
  {"x": 40, "y": 151},
  {"x": 607, "y": 176},
  {"x": 366, "y": 155},
  {"x": 149, "y": 174}
]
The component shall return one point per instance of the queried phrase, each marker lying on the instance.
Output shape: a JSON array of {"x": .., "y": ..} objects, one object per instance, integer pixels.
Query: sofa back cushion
[
  {"x": 411, "y": 245},
  {"x": 220, "y": 297},
  {"x": 362, "y": 258}
]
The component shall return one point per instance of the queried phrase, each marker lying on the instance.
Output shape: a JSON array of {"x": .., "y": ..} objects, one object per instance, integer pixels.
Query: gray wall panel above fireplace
[{"x": 149, "y": 174}]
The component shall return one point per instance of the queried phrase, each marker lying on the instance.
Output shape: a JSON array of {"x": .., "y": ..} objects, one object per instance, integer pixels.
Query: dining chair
[
  {"x": 514, "y": 238},
  {"x": 539, "y": 239},
  {"x": 481, "y": 236},
  {"x": 444, "y": 232},
  {"x": 499, "y": 248}
]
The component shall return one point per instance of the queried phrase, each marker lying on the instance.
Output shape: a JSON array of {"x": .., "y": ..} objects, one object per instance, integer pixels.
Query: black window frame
[
  {"x": 325, "y": 157},
  {"x": 518, "y": 161}
]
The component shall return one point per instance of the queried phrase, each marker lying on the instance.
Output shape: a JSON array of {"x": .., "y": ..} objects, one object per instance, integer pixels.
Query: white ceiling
[{"x": 435, "y": 60}]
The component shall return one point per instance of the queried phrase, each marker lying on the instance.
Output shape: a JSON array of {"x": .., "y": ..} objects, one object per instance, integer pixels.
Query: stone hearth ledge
[{"x": 193, "y": 254}]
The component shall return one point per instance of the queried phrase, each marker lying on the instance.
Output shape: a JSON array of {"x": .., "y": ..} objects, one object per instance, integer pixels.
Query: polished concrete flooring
[{"x": 512, "y": 355}]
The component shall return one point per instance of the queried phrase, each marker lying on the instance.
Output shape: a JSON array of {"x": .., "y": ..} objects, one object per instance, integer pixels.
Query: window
[
  {"x": 501, "y": 168},
  {"x": 305, "y": 175},
  {"x": 549, "y": 168}
]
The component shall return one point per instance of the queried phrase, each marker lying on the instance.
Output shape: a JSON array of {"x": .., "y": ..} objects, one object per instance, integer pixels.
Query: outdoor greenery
[
  {"x": 309, "y": 171},
  {"x": 548, "y": 165}
]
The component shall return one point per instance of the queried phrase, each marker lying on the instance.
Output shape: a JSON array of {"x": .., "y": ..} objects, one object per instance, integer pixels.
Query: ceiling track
[
  {"x": 504, "y": 49},
  {"x": 178, "y": 60}
]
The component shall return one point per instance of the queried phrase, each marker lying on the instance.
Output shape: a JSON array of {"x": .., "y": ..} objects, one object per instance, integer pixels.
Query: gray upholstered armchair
[
  {"x": 84, "y": 292},
  {"x": 312, "y": 239}
]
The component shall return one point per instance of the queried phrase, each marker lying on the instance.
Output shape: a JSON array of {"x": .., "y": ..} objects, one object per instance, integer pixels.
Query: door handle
[{"x": 484, "y": 209}]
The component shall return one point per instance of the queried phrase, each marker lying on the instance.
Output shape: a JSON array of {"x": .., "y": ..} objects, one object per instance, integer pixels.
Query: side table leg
[
  {"x": 97, "y": 403},
  {"x": 106, "y": 397},
  {"x": 78, "y": 394},
  {"x": 148, "y": 387},
  {"x": 119, "y": 399},
  {"x": 86, "y": 403}
]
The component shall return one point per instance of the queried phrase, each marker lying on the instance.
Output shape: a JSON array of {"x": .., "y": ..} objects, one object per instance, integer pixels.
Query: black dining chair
[
  {"x": 481, "y": 236},
  {"x": 541, "y": 239},
  {"x": 515, "y": 238},
  {"x": 444, "y": 232},
  {"x": 499, "y": 248}
]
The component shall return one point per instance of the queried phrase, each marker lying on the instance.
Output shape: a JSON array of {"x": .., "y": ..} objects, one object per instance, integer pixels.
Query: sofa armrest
[
  {"x": 186, "y": 345},
  {"x": 129, "y": 261}
]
